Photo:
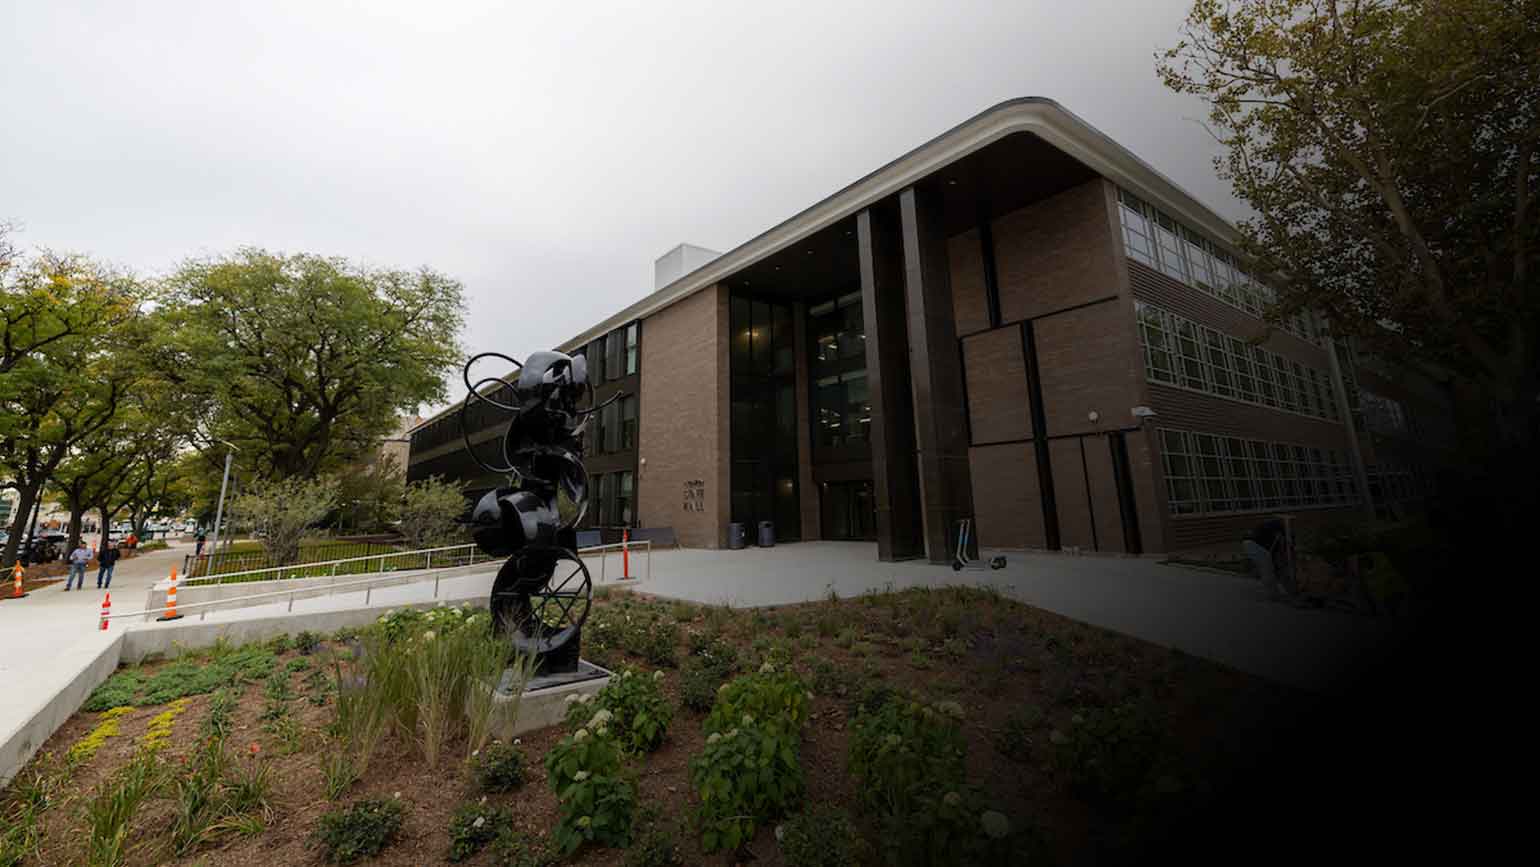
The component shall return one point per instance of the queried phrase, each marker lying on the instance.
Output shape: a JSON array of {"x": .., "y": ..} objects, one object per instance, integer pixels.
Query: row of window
[
  {"x": 614, "y": 497},
  {"x": 615, "y": 355},
  {"x": 1179, "y": 351},
  {"x": 842, "y": 410},
  {"x": 1151, "y": 236},
  {"x": 1212, "y": 474},
  {"x": 613, "y": 429}
]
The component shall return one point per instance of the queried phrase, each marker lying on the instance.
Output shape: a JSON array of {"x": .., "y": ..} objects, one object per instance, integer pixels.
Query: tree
[
  {"x": 280, "y": 512},
  {"x": 68, "y": 323},
  {"x": 1389, "y": 151},
  {"x": 370, "y": 494},
  {"x": 304, "y": 362},
  {"x": 430, "y": 513}
]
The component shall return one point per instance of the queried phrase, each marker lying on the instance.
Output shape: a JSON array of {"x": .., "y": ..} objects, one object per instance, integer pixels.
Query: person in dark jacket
[{"x": 105, "y": 560}]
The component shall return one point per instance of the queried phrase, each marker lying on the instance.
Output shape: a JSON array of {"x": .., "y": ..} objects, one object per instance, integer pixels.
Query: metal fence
[{"x": 246, "y": 561}]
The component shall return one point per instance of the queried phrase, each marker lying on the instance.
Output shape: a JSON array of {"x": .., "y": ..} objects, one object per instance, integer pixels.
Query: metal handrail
[
  {"x": 292, "y": 567},
  {"x": 404, "y": 577}
]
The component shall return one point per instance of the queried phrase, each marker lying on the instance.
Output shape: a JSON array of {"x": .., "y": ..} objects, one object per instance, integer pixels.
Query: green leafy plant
[
  {"x": 1108, "y": 755},
  {"x": 638, "y": 714},
  {"x": 745, "y": 775},
  {"x": 498, "y": 767},
  {"x": 472, "y": 827},
  {"x": 306, "y": 642},
  {"x": 902, "y": 747},
  {"x": 698, "y": 684},
  {"x": 948, "y": 826},
  {"x": 821, "y": 836},
  {"x": 361, "y": 830},
  {"x": 184, "y": 677},
  {"x": 1015, "y": 738},
  {"x": 776, "y": 697},
  {"x": 656, "y": 844},
  {"x": 516, "y": 848},
  {"x": 111, "y": 809},
  {"x": 597, "y": 803}
]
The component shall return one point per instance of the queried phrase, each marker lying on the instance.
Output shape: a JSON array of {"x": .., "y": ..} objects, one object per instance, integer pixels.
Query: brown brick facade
[
  {"x": 997, "y": 386},
  {"x": 683, "y": 421},
  {"x": 1055, "y": 254},
  {"x": 1084, "y": 358}
]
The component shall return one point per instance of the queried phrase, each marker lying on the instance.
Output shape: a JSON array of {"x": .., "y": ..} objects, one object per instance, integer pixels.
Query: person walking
[
  {"x": 78, "y": 560},
  {"x": 105, "y": 560},
  {"x": 198, "y": 551}
]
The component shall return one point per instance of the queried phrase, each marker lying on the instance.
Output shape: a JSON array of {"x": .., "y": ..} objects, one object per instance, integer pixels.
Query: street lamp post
[{"x": 219, "y": 512}]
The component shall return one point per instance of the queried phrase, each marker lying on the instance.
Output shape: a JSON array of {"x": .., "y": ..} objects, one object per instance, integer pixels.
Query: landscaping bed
[{"x": 966, "y": 727}]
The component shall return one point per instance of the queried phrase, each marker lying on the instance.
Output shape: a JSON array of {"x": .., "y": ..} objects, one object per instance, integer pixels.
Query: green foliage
[
  {"x": 821, "y": 836},
  {"x": 597, "y": 804},
  {"x": 745, "y": 775},
  {"x": 472, "y": 827},
  {"x": 215, "y": 797},
  {"x": 281, "y": 511},
  {"x": 714, "y": 651},
  {"x": 498, "y": 767},
  {"x": 698, "y": 684},
  {"x": 1108, "y": 755},
  {"x": 430, "y": 510},
  {"x": 946, "y": 827},
  {"x": 302, "y": 361},
  {"x": 112, "y": 807},
  {"x": 776, "y": 697},
  {"x": 516, "y": 848},
  {"x": 306, "y": 642},
  {"x": 359, "y": 831},
  {"x": 903, "y": 747},
  {"x": 181, "y": 678},
  {"x": 656, "y": 844},
  {"x": 1014, "y": 740},
  {"x": 634, "y": 708}
]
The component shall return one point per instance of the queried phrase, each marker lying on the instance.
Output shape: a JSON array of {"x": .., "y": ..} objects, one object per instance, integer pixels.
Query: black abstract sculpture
[{"x": 543, "y": 591}]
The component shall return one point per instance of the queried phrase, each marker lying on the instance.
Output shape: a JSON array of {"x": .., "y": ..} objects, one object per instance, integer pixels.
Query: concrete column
[
  {"x": 895, "y": 480},
  {"x": 936, "y": 376}
]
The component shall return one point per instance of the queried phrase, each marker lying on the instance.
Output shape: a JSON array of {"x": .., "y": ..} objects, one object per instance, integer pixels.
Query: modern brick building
[{"x": 1019, "y": 321}]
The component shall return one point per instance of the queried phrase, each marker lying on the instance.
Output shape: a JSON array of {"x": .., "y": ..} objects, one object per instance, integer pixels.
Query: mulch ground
[{"x": 1006, "y": 657}]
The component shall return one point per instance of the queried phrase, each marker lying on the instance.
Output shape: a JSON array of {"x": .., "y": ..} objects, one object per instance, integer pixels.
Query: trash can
[
  {"x": 735, "y": 533},
  {"x": 767, "y": 534}
]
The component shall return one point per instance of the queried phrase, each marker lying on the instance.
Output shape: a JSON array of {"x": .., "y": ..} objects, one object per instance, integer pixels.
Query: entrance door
[{"x": 849, "y": 511}]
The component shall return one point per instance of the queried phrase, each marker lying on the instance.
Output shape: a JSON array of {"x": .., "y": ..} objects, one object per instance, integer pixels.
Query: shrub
[
  {"x": 820, "y": 837},
  {"x": 778, "y": 699},
  {"x": 362, "y": 830},
  {"x": 639, "y": 714},
  {"x": 713, "y": 651},
  {"x": 902, "y": 748},
  {"x": 498, "y": 767},
  {"x": 111, "y": 810},
  {"x": 472, "y": 827},
  {"x": 1014, "y": 740},
  {"x": 698, "y": 684},
  {"x": 515, "y": 848},
  {"x": 656, "y": 845},
  {"x": 1106, "y": 755},
  {"x": 306, "y": 642},
  {"x": 745, "y": 775},
  {"x": 653, "y": 639},
  {"x": 948, "y": 826},
  {"x": 597, "y": 804}
]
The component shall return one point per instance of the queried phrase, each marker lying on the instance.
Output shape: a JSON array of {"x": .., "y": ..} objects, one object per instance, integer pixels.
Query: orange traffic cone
[
  {"x": 16, "y": 593},
  {"x": 171, "y": 600},
  {"x": 625, "y": 553},
  {"x": 106, "y": 608}
]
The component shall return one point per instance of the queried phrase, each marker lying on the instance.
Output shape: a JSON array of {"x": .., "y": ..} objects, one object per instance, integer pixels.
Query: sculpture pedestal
[{"x": 544, "y": 699}]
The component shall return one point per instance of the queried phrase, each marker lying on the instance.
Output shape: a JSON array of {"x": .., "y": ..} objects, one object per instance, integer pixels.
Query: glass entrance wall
[{"x": 764, "y": 416}]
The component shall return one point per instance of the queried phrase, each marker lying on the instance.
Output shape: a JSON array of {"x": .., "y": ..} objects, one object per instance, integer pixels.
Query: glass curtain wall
[{"x": 764, "y": 417}]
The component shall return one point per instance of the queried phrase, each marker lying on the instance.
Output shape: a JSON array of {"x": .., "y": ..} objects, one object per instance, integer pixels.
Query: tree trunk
[
  {"x": 76, "y": 512},
  {"x": 26, "y": 499}
]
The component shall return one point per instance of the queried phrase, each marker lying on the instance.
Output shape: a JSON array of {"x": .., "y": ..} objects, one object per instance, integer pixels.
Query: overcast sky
[{"x": 542, "y": 153}]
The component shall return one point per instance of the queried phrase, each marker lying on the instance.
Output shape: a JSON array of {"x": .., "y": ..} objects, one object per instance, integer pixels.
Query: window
[
  {"x": 1192, "y": 356},
  {"x": 633, "y": 347},
  {"x": 614, "y": 348},
  {"x": 595, "y": 355},
  {"x": 1224, "y": 276},
  {"x": 628, "y": 422},
  {"x": 1287, "y": 396},
  {"x": 1181, "y": 475},
  {"x": 1218, "y": 363},
  {"x": 843, "y": 409},
  {"x": 1211, "y": 469},
  {"x": 1198, "y": 260},
  {"x": 596, "y": 433},
  {"x": 602, "y": 500},
  {"x": 1137, "y": 235},
  {"x": 625, "y": 495},
  {"x": 611, "y": 416},
  {"x": 1238, "y": 467},
  {"x": 838, "y": 331},
  {"x": 1245, "y": 374},
  {"x": 1158, "y": 364},
  {"x": 1267, "y": 387},
  {"x": 1169, "y": 247}
]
